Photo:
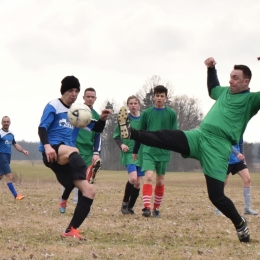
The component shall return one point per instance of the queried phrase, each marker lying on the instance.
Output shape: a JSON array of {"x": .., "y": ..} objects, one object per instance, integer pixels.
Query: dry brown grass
[{"x": 188, "y": 229}]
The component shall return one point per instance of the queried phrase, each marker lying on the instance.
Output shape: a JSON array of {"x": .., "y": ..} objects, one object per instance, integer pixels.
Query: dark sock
[
  {"x": 79, "y": 194},
  {"x": 133, "y": 198},
  {"x": 67, "y": 191},
  {"x": 77, "y": 163},
  {"x": 240, "y": 225},
  {"x": 128, "y": 191},
  {"x": 81, "y": 212}
]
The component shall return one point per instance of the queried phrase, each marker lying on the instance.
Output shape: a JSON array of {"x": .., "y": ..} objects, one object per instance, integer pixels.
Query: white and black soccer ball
[{"x": 79, "y": 115}]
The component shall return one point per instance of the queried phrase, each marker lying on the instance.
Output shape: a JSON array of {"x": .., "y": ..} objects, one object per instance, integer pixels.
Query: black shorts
[
  {"x": 65, "y": 174},
  {"x": 236, "y": 167}
]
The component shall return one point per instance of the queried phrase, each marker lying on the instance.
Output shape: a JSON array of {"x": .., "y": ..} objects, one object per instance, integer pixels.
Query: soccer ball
[{"x": 79, "y": 115}]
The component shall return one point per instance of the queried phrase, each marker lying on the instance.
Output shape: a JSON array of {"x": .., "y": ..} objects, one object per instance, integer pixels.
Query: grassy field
[{"x": 188, "y": 229}]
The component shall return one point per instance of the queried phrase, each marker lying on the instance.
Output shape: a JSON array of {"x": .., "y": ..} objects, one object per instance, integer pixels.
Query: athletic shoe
[
  {"x": 72, "y": 233},
  {"x": 243, "y": 232},
  {"x": 146, "y": 212},
  {"x": 249, "y": 211},
  {"x": 92, "y": 170},
  {"x": 19, "y": 197},
  {"x": 156, "y": 213},
  {"x": 218, "y": 212},
  {"x": 124, "y": 123},
  {"x": 63, "y": 206},
  {"x": 124, "y": 208},
  {"x": 131, "y": 211}
]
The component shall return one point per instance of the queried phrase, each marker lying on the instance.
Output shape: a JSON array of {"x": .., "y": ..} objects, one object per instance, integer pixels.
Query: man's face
[
  {"x": 70, "y": 96},
  {"x": 133, "y": 105},
  {"x": 237, "y": 81},
  {"x": 6, "y": 123},
  {"x": 90, "y": 98},
  {"x": 159, "y": 100}
]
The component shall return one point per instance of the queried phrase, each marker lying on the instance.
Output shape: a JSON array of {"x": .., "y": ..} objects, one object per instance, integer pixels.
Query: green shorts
[
  {"x": 212, "y": 151},
  {"x": 149, "y": 164},
  {"x": 87, "y": 159}
]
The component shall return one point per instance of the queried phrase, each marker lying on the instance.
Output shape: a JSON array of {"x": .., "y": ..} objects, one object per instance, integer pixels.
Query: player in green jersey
[
  {"x": 211, "y": 144},
  {"x": 155, "y": 118},
  {"x": 89, "y": 146},
  {"x": 132, "y": 162}
]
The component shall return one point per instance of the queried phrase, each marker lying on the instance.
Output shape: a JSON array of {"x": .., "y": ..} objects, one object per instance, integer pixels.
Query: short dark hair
[
  {"x": 160, "y": 89},
  {"x": 246, "y": 71},
  {"x": 89, "y": 89}
]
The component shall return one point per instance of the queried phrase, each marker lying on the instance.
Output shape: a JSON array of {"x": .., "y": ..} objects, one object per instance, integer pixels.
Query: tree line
[{"x": 189, "y": 115}]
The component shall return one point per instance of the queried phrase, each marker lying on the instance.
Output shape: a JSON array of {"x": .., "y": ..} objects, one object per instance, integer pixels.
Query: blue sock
[{"x": 12, "y": 189}]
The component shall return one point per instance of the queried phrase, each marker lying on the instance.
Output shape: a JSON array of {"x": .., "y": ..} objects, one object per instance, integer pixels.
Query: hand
[
  {"x": 241, "y": 157},
  {"x": 124, "y": 148},
  {"x": 135, "y": 156},
  {"x": 50, "y": 153},
  {"x": 95, "y": 157},
  {"x": 25, "y": 152},
  {"x": 105, "y": 113},
  {"x": 210, "y": 62}
]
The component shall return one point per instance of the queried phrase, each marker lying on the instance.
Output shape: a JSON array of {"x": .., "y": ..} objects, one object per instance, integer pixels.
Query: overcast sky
[{"x": 115, "y": 46}]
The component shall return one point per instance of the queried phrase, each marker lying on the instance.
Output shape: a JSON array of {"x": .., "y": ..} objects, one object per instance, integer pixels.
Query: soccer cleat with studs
[
  {"x": 156, "y": 213},
  {"x": 74, "y": 233},
  {"x": 243, "y": 232},
  {"x": 19, "y": 197},
  {"x": 250, "y": 211},
  {"x": 63, "y": 206},
  {"x": 92, "y": 171},
  {"x": 146, "y": 212},
  {"x": 124, "y": 123}
]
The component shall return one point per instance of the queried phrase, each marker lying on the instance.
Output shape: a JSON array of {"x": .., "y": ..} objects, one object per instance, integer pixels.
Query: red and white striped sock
[
  {"x": 158, "y": 196},
  {"x": 147, "y": 193}
]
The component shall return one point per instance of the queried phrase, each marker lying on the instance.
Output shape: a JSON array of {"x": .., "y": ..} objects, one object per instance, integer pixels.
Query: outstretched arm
[{"x": 212, "y": 79}]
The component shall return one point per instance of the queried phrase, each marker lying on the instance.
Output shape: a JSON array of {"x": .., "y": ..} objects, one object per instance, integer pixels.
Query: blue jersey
[
  {"x": 6, "y": 141},
  {"x": 236, "y": 149},
  {"x": 56, "y": 122}
]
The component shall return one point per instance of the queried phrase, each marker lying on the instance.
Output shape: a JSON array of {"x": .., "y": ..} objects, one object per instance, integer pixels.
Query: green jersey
[
  {"x": 230, "y": 114},
  {"x": 88, "y": 141},
  {"x": 126, "y": 157},
  {"x": 154, "y": 119}
]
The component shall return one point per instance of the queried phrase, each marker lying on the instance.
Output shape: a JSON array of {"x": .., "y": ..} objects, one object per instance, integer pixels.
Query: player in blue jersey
[
  {"x": 89, "y": 145},
  {"x": 237, "y": 165},
  {"x": 58, "y": 138},
  {"x": 6, "y": 142}
]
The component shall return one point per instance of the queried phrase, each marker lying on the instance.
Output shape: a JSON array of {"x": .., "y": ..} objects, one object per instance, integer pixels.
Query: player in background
[
  {"x": 155, "y": 118},
  {"x": 211, "y": 143},
  {"x": 132, "y": 162},
  {"x": 89, "y": 146},
  {"x": 6, "y": 142},
  {"x": 237, "y": 165},
  {"x": 59, "y": 153}
]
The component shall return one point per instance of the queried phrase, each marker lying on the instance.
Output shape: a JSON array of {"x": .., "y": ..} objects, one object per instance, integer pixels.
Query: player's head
[
  {"x": 90, "y": 96},
  {"x": 160, "y": 96},
  {"x": 6, "y": 123},
  {"x": 70, "y": 88},
  {"x": 133, "y": 104},
  {"x": 129, "y": 100},
  {"x": 240, "y": 78},
  {"x": 160, "y": 89}
]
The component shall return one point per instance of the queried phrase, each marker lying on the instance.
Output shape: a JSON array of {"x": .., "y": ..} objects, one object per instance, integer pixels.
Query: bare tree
[
  {"x": 145, "y": 94},
  {"x": 188, "y": 112}
]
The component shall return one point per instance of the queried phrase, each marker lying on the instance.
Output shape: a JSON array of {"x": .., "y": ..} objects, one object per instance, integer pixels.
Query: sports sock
[
  {"x": 147, "y": 193},
  {"x": 81, "y": 212},
  {"x": 12, "y": 189},
  {"x": 133, "y": 198},
  {"x": 247, "y": 197},
  {"x": 128, "y": 191},
  {"x": 158, "y": 196},
  {"x": 77, "y": 163},
  {"x": 66, "y": 193}
]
